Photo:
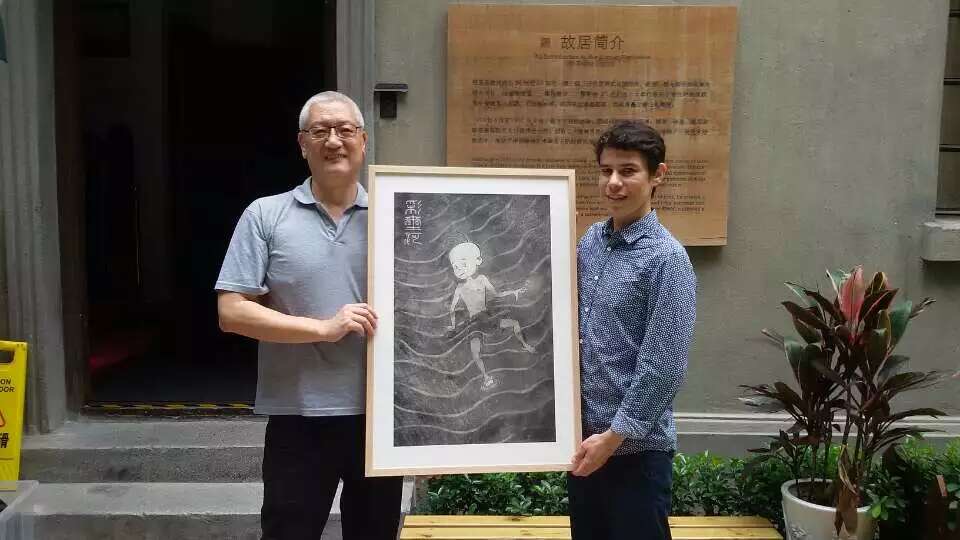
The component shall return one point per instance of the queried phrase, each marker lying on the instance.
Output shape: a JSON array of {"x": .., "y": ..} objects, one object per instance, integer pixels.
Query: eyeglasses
[{"x": 322, "y": 133}]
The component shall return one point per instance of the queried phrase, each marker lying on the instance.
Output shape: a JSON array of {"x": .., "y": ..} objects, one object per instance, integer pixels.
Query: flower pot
[{"x": 807, "y": 521}]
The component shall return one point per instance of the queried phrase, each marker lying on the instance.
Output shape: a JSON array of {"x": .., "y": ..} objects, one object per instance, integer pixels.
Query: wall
[
  {"x": 833, "y": 163},
  {"x": 28, "y": 194},
  {"x": 4, "y": 295}
]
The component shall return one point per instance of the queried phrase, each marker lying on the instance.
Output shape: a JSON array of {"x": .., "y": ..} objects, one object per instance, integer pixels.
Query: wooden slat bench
[{"x": 554, "y": 527}]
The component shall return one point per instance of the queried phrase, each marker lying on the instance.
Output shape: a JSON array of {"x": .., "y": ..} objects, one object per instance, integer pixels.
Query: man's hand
[
  {"x": 358, "y": 318},
  {"x": 594, "y": 452}
]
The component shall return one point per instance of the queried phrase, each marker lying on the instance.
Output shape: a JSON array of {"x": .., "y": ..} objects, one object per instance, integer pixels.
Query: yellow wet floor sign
[{"x": 13, "y": 374}]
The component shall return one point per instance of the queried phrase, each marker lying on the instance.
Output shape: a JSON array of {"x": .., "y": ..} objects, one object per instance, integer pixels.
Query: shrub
[
  {"x": 908, "y": 472},
  {"x": 845, "y": 380},
  {"x": 509, "y": 494},
  {"x": 707, "y": 484}
]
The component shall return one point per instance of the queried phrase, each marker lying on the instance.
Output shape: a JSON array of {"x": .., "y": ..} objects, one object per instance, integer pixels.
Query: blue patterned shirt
[{"x": 637, "y": 295}]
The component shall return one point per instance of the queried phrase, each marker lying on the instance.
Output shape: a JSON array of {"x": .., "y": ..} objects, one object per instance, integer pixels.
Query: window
[{"x": 948, "y": 191}]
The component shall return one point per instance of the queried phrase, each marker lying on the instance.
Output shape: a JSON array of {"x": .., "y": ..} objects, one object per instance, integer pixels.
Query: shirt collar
[
  {"x": 304, "y": 194},
  {"x": 648, "y": 226}
]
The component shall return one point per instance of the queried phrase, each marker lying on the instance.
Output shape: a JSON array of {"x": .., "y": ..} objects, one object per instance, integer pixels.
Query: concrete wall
[
  {"x": 28, "y": 194},
  {"x": 833, "y": 163},
  {"x": 4, "y": 295}
]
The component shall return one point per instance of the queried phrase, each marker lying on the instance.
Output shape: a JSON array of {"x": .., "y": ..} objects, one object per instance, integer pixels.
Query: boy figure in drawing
[{"x": 465, "y": 258}]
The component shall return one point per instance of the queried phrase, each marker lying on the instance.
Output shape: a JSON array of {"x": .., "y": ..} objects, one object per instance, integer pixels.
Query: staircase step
[
  {"x": 151, "y": 480},
  {"x": 158, "y": 510},
  {"x": 154, "y": 510},
  {"x": 147, "y": 451}
]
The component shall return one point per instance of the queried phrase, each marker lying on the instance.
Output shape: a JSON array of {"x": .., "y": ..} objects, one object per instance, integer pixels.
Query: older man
[{"x": 294, "y": 278}]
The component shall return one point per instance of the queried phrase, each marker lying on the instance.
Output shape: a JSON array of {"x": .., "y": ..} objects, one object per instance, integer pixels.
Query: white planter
[{"x": 808, "y": 521}]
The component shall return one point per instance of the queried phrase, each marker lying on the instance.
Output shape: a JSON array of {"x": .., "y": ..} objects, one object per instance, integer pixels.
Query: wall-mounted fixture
[
  {"x": 387, "y": 93},
  {"x": 3, "y": 39}
]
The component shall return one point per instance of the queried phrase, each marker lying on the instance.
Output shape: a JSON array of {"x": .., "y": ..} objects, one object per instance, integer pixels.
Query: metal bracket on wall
[
  {"x": 3, "y": 39},
  {"x": 388, "y": 92}
]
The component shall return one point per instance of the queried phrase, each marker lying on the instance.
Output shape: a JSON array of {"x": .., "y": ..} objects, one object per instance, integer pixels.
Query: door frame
[{"x": 42, "y": 278}]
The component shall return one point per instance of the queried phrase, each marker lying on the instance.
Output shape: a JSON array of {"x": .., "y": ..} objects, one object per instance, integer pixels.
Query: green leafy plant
[
  {"x": 950, "y": 469},
  {"x": 888, "y": 501},
  {"x": 846, "y": 376},
  {"x": 511, "y": 494},
  {"x": 912, "y": 468},
  {"x": 707, "y": 484}
]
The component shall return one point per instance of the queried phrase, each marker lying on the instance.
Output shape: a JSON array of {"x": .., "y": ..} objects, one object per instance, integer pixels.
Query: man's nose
[
  {"x": 334, "y": 140},
  {"x": 615, "y": 182}
]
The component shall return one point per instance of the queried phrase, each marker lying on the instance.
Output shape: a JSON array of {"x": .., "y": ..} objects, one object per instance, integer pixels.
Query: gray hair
[{"x": 327, "y": 97}]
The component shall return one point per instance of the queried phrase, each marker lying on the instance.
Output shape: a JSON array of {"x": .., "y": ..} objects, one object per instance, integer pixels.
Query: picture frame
[{"x": 474, "y": 366}]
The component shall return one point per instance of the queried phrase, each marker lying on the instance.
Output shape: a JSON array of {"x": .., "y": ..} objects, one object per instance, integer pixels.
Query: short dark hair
[{"x": 637, "y": 136}]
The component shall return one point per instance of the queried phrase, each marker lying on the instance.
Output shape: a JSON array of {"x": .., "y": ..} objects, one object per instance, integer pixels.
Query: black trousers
[
  {"x": 626, "y": 499},
  {"x": 304, "y": 458}
]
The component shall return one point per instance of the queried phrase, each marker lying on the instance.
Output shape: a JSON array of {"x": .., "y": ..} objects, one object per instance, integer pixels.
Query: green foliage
[
  {"x": 845, "y": 379},
  {"x": 703, "y": 484},
  {"x": 759, "y": 489},
  {"x": 908, "y": 472},
  {"x": 707, "y": 484},
  {"x": 886, "y": 496},
  {"x": 508, "y": 494}
]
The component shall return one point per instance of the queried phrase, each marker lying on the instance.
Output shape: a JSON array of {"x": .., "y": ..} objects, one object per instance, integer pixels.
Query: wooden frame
[{"x": 475, "y": 363}]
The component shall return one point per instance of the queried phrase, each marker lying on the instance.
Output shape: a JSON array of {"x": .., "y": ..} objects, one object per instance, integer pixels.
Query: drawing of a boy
[{"x": 465, "y": 258}]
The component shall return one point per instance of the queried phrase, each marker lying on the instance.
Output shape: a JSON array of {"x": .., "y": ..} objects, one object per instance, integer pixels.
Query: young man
[
  {"x": 295, "y": 278},
  {"x": 637, "y": 294}
]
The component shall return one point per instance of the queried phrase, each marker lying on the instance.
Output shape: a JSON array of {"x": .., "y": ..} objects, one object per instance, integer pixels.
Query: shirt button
[
  {"x": 581, "y": 342},
  {"x": 586, "y": 310},
  {"x": 596, "y": 278},
  {"x": 608, "y": 248}
]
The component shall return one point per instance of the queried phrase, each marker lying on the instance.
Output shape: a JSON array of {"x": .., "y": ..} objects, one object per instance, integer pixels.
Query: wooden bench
[{"x": 553, "y": 527}]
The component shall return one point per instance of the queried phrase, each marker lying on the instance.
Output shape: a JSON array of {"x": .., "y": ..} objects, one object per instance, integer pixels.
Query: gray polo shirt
[{"x": 287, "y": 249}]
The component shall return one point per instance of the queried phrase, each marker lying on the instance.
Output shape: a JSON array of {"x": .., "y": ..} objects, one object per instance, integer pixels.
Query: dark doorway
[{"x": 187, "y": 113}]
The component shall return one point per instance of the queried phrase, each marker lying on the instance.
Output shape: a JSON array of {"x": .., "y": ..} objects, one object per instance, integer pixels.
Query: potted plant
[{"x": 846, "y": 376}]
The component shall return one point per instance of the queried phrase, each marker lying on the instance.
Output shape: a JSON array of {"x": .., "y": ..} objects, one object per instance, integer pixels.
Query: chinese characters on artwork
[{"x": 412, "y": 224}]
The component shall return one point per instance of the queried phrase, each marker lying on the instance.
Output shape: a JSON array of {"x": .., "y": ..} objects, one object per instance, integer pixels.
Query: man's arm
[
  {"x": 243, "y": 314},
  {"x": 661, "y": 365},
  {"x": 242, "y": 283},
  {"x": 662, "y": 361}
]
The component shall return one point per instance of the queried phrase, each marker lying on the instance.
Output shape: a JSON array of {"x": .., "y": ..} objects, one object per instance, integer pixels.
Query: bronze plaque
[{"x": 533, "y": 87}]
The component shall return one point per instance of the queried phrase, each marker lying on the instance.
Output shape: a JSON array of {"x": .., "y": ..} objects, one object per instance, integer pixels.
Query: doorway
[{"x": 186, "y": 113}]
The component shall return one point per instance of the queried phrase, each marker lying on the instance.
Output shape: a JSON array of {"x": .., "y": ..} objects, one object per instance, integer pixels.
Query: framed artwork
[{"x": 474, "y": 366}]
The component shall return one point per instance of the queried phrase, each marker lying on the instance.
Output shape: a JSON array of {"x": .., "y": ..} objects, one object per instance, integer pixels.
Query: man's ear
[
  {"x": 301, "y": 140},
  {"x": 660, "y": 175}
]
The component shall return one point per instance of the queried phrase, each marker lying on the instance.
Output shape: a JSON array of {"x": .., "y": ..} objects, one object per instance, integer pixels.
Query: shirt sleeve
[
  {"x": 244, "y": 267},
  {"x": 662, "y": 360}
]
